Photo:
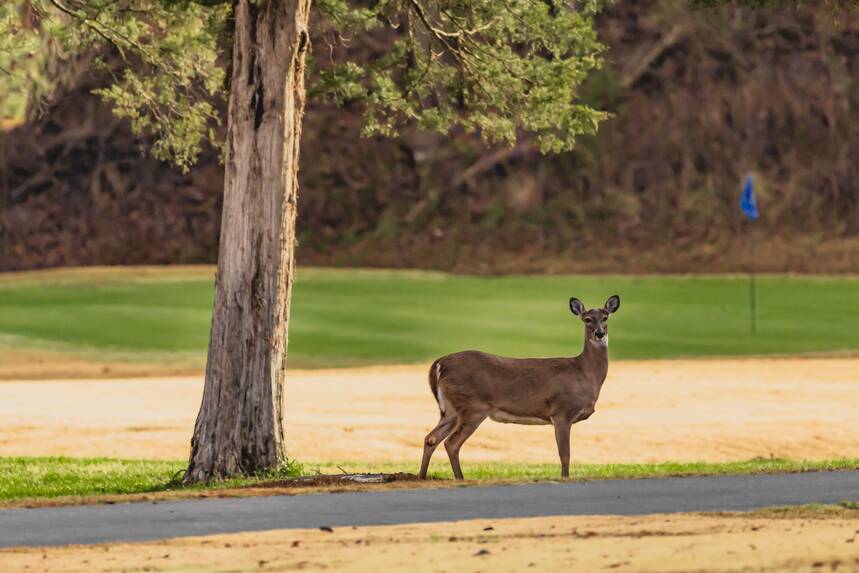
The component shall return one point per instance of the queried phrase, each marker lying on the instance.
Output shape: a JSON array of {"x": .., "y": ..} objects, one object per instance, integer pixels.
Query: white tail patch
[
  {"x": 440, "y": 399},
  {"x": 438, "y": 393}
]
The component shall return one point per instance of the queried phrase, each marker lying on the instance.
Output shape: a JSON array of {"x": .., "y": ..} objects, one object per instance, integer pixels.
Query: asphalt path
[{"x": 160, "y": 520}]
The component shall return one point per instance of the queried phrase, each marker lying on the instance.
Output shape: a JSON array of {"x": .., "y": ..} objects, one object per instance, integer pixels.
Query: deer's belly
[{"x": 508, "y": 418}]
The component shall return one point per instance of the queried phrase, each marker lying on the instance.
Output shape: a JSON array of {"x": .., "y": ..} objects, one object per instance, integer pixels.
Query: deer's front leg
[{"x": 562, "y": 436}]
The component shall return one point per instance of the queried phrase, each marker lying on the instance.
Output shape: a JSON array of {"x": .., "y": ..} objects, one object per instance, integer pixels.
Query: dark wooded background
[{"x": 700, "y": 98}]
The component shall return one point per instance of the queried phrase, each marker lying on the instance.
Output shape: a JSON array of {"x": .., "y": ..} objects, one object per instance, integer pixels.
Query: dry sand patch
[
  {"x": 37, "y": 364},
  {"x": 654, "y": 543},
  {"x": 682, "y": 410}
]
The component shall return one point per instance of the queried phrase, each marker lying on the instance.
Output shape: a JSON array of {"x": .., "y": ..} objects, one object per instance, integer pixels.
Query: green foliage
[
  {"x": 351, "y": 317},
  {"x": 170, "y": 91},
  {"x": 170, "y": 49},
  {"x": 503, "y": 69},
  {"x": 347, "y": 18},
  {"x": 495, "y": 68},
  {"x": 22, "y": 55}
]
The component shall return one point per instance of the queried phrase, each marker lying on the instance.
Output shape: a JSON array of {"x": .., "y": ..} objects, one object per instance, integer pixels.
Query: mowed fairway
[{"x": 362, "y": 317}]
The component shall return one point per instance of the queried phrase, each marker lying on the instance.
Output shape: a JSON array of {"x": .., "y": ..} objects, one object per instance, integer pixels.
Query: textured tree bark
[{"x": 239, "y": 429}]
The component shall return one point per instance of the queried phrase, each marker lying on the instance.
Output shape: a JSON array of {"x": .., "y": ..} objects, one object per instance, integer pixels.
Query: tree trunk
[{"x": 239, "y": 429}]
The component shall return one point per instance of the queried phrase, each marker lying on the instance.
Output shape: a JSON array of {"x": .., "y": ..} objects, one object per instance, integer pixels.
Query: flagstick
[{"x": 752, "y": 293}]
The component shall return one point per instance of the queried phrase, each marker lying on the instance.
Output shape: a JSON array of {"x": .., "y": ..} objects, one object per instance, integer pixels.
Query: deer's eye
[{"x": 589, "y": 320}]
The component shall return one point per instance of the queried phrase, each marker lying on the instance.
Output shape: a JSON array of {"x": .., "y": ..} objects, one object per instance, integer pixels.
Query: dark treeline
[{"x": 700, "y": 98}]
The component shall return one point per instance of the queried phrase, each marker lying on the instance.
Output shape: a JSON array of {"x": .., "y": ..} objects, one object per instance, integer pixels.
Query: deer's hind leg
[
  {"x": 435, "y": 437},
  {"x": 464, "y": 428}
]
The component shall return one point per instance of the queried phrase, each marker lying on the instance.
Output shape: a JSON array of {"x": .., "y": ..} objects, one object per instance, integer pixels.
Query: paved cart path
[{"x": 148, "y": 521}]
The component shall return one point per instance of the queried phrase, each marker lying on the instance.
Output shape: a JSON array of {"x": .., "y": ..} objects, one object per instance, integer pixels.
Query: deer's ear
[
  {"x": 576, "y": 307},
  {"x": 612, "y": 304}
]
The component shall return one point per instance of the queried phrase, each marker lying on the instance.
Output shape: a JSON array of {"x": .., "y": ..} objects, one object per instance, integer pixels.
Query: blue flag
[{"x": 748, "y": 205}]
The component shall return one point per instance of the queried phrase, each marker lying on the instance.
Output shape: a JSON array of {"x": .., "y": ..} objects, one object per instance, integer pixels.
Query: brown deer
[{"x": 471, "y": 385}]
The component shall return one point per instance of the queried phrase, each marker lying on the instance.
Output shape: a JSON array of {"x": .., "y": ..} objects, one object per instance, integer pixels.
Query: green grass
[
  {"x": 515, "y": 471},
  {"x": 22, "y": 478},
  {"x": 44, "y": 478},
  {"x": 354, "y": 317},
  {"x": 50, "y": 477}
]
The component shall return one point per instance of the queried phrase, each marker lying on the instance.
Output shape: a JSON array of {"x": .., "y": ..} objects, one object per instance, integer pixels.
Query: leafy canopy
[
  {"x": 171, "y": 78},
  {"x": 498, "y": 68}
]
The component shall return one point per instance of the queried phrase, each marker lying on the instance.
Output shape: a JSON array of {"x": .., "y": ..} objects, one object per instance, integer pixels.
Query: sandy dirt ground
[
  {"x": 22, "y": 364},
  {"x": 713, "y": 410},
  {"x": 591, "y": 543}
]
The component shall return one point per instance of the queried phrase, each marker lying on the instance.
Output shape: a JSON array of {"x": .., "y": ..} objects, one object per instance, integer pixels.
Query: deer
[{"x": 470, "y": 386}]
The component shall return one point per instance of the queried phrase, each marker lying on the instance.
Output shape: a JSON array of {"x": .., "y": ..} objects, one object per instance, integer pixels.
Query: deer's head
[{"x": 595, "y": 319}]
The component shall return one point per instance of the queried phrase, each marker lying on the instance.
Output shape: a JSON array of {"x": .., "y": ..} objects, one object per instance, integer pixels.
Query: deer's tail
[{"x": 434, "y": 377}]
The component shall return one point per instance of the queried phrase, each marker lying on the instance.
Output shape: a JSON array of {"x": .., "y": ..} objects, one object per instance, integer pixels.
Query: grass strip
[{"x": 39, "y": 478}]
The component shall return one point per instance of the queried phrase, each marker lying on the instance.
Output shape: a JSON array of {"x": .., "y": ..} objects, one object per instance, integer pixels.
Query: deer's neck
[{"x": 594, "y": 359}]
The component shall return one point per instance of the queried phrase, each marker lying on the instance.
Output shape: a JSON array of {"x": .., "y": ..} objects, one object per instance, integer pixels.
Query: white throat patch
[{"x": 599, "y": 342}]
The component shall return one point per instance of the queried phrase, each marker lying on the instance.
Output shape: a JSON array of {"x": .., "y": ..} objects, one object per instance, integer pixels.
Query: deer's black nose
[{"x": 599, "y": 333}]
